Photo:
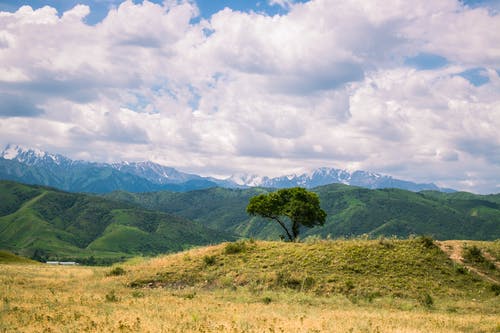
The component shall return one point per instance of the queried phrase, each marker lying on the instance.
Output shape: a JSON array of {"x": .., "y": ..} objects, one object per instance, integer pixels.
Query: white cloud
[{"x": 323, "y": 85}]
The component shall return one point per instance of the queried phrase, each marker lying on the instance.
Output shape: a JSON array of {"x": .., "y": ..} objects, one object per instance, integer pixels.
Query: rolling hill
[
  {"x": 46, "y": 223},
  {"x": 357, "y": 268},
  {"x": 352, "y": 211}
]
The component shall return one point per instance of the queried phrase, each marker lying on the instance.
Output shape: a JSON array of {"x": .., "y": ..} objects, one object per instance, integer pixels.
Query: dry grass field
[{"x": 43, "y": 298}]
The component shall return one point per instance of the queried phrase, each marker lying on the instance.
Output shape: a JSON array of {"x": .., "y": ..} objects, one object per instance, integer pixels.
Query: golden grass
[{"x": 42, "y": 298}]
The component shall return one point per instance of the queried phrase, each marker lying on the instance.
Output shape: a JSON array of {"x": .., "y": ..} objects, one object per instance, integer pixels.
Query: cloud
[
  {"x": 17, "y": 106},
  {"x": 411, "y": 89}
]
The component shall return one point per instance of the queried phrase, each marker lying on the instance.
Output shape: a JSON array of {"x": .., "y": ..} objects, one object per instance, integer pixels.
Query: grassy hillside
[
  {"x": 324, "y": 286},
  {"x": 352, "y": 211},
  {"x": 45, "y": 223},
  {"x": 357, "y": 268},
  {"x": 10, "y": 258}
]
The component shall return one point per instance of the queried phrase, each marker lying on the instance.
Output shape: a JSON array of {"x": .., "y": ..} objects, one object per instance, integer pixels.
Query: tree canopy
[{"x": 291, "y": 208}]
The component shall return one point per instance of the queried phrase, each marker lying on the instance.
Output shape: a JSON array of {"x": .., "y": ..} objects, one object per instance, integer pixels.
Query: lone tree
[{"x": 296, "y": 205}]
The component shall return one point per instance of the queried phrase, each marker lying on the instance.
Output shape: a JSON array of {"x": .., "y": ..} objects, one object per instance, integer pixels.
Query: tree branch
[{"x": 284, "y": 227}]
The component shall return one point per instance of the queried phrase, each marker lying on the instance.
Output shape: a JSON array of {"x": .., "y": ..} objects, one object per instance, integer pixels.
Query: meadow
[{"x": 380, "y": 285}]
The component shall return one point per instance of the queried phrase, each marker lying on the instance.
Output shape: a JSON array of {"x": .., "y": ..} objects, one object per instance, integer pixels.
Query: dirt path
[{"x": 454, "y": 251}]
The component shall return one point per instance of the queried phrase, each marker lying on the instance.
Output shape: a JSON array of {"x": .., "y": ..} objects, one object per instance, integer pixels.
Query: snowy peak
[
  {"x": 325, "y": 176},
  {"x": 155, "y": 173},
  {"x": 242, "y": 179},
  {"x": 31, "y": 156}
]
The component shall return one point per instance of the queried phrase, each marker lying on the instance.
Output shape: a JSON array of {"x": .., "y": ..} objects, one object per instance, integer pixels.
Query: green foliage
[
  {"x": 209, "y": 260},
  {"x": 235, "y": 247},
  {"x": 427, "y": 241},
  {"x": 117, "y": 271},
  {"x": 473, "y": 253},
  {"x": 267, "y": 300},
  {"x": 460, "y": 269},
  {"x": 298, "y": 205},
  {"x": 496, "y": 289}
]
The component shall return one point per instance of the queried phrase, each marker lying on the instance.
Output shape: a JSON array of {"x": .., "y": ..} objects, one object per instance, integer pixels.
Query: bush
[
  {"x": 496, "y": 289},
  {"x": 236, "y": 247},
  {"x": 426, "y": 241},
  {"x": 460, "y": 269},
  {"x": 473, "y": 253},
  {"x": 209, "y": 260},
  {"x": 117, "y": 271},
  {"x": 267, "y": 300}
]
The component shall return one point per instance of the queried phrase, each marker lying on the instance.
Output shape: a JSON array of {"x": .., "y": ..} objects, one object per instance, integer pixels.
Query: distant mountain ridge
[
  {"x": 325, "y": 176},
  {"x": 34, "y": 166}
]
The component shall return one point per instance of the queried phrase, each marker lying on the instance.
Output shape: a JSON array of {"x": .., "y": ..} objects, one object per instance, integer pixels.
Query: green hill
[
  {"x": 411, "y": 268},
  {"x": 352, "y": 211},
  {"x": 45, "y": 223},
  {"x": 7, "y": 257}
]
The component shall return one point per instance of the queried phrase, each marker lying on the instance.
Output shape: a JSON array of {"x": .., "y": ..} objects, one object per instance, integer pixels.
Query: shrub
[
  {"x": 460, "y": 269},
  {"x": 426, "y": 241},
  {"x": 236, "y": 247},
  {"x": 349, "y": 285},
  {"x": 267, "y": 300},
  {"x": 209, "y": 260},
  {"x": 117, "y": 271},
  {"x": 473, "y": 253},
  {"x": 496, "y": 289}
]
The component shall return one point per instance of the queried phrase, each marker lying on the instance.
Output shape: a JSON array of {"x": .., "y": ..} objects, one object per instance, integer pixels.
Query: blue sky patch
[
  {"x": 425, "y": 61},
  {"x": 100, "y": 8},
  {"x": 476, "y": 76}
]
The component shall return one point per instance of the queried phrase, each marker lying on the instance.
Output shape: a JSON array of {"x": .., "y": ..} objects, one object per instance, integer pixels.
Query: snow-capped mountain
[
  {"x": 33, "y": 156},
  {"x": 155, "y": 173},
  {"x": 34, "y": 166},
  {"x": 246, "y": 180},
  {"x": 325, "y": 176}
]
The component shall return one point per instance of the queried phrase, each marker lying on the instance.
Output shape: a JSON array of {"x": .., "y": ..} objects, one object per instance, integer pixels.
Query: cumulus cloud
[{"x": 386, "y": 86}]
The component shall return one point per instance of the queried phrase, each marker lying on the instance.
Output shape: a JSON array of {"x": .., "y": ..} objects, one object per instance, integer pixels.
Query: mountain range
[{"x": 33, "y": 166}]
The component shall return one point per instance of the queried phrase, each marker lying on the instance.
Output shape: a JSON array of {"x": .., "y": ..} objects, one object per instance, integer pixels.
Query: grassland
[{"x": 324, "y": 286}]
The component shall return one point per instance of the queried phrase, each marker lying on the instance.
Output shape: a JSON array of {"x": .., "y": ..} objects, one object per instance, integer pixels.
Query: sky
[{"x": 409, "y": 89}]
